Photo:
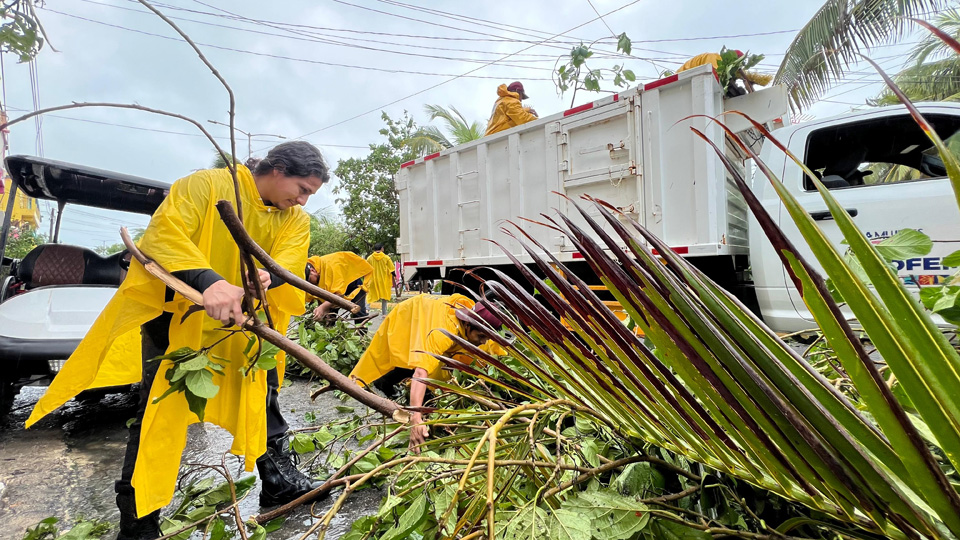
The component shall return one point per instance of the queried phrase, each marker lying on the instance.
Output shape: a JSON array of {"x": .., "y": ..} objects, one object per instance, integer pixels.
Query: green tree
[
  {"x": 932, "y": 72},
  {"x": 218, "y": 161},
  {"x": 22, "y": 240},
  {"x": 105, "y": 250},
  {"x": 430, "y": 139},
  {"x": 832, "y": 41},
  {"x": 328, "y": 234},
  {"x": 369, "y": 203}
]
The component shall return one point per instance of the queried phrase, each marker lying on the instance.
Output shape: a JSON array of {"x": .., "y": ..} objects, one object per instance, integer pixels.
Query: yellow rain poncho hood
[
  {"x": 508, "y": 112},
  {"x": 337, "y": 270},
  {"x": 186, "y": 233},
  {"x": 414, "y": 326},
  {"x": 380, "y": 284}
]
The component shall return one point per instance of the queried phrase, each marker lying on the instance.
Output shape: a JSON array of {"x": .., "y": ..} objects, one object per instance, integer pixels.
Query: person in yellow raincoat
[
  {"x": 380, "y": 284},
  {"x": 713, "y": 59},
  {"x": 145, "y": 320},
  {"x": 414, "y": 326},
  {"x": 508, "y": 112},
  {"x": 341, "y": 273}
]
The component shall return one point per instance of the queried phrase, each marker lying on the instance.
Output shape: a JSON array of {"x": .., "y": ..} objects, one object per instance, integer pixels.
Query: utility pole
[
  {"x": 249, "y": 135},
  {"x": 52, "y": 221}
]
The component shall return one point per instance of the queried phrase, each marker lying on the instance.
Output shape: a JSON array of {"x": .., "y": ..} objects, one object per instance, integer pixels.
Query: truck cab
[{"x": 884, "y": 170}]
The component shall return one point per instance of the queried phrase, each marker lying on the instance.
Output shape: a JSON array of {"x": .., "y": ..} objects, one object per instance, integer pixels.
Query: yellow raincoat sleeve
[
  {"x": 436, "y": 343},
  {"x": 170, "y": 236},
  {"x": 517, "y": 112}
]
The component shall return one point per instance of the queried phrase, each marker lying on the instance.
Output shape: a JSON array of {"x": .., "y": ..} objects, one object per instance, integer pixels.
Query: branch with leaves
[{"x": 576, "y": 74}]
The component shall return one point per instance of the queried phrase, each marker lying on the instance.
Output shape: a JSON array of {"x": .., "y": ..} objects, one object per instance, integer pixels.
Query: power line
[
  {"x": 305, "y": 60},
  {"x": 310, "y": 33},
  {"x": 453, "y": 78}
]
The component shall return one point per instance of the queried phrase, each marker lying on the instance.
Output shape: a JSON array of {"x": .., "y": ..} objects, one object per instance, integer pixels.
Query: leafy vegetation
[
  {"x": 824, "y": 50},
  {"x": 339, "y": 345},
  {"x": 730, "y": 66},
  {"x": 83, "y": 529},
  {"x": 328, "y": 234},
  {"x": 21, "y": 32},
  {"x": 22, "y": 240},
  {"x": 576, "y": 74},
  {"x": 932, "y": 73},
  {"x": 430, "y": 139}
]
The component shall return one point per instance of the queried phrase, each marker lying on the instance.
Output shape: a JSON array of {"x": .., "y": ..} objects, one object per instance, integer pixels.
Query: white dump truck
[{"x": 635, "y": 150}]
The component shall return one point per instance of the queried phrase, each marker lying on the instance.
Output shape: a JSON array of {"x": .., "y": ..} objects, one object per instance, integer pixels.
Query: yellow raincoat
[
  {"x": 337, "y": 270},
  {"x": 414, "y": 326},
  {"x": 508, "y": 112},
  {"x": 380, "y": 284},
  {"x": 714, "y": 58},
  {"x": 186, "y": 233}
]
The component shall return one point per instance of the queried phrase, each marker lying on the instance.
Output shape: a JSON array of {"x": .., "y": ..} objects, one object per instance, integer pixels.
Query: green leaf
[
  {"x": 200, "y": 384},
  {"x": 81, "y": 531},
  {"x": 565, "y": 524},
  {"x": 266, "y": 363},
  {"x": 411, "y": 518},
  {"x": 274, "y": 524},
  {"x": 366, "y": 464},
  {"x": 906, "y": 244},
  {"x": 259, "y": 533},
  {"x": 218, "y": 530},
  {"x": 629, "y": 75},
  {"x": 639, "y": 479},
  {"x": 947, "y": 300},
  {"x": 668, "y": 530},
  {"x": 343, "y": 409},
  {"x": 590, "y": 450},
  {"x": 194, "y": 364},
  {"x": 528, "y": 522},
  {"x": 196, "y": 404},
  {"x": 323, "y": 437},
  {"x": 951, "y": 261},
  {"x": 624, "y": 44},
  {"x": 612, "y": 515},
  {"x": 302, "y": 443}
]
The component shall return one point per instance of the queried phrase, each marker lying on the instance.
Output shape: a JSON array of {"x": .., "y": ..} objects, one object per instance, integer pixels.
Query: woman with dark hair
[{"x": 145, "y": 321}]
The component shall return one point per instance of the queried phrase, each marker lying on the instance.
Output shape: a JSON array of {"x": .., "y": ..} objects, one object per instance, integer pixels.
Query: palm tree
[
  {"x": 932, "y": 72},
  {"x": 833, "y": 40},
  {"x": 430, "y": 139}
]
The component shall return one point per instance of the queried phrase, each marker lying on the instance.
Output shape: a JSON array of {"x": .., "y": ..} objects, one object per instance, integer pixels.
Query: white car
[{"x": 51, "y": 297}]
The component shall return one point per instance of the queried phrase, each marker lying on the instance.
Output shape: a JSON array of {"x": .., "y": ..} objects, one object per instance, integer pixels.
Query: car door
[{"x": 896, "y": 198}]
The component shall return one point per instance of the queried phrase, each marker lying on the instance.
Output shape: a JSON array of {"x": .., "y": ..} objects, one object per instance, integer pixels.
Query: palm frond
[
  {"x": 427, "y": 140},
  {"x": 841, "y": 30},
  {"x": 933, "y": 81},
  {"x": 931, "y": 46}
]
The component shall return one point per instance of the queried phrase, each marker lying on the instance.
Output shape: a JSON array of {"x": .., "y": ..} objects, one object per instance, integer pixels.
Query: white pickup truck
[{"x": 634, "y": 150}]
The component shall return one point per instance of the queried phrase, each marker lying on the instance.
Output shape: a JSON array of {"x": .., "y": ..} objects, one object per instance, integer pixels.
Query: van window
[{"x": 886, "y": 150}]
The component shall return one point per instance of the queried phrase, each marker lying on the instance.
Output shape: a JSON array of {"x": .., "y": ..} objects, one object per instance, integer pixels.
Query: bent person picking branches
[
  {"x": 409, "y": 341},
  {"x": 144, "y": 327}
]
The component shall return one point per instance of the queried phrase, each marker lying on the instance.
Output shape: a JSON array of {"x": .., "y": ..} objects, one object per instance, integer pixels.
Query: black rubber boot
[
  {"x": 280, "y": 479},
  {"x": 132, "y": 527}
]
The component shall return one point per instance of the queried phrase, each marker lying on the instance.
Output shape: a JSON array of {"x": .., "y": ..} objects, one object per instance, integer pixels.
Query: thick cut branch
[
  {"x": 232, "y": 221},
  {"x": 253, "y": 324}
]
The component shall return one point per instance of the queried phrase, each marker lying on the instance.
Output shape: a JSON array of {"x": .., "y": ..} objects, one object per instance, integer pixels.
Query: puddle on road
[{"x": 66, "y": 465}]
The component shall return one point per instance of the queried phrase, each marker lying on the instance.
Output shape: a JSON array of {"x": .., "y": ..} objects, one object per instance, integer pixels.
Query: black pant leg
[{"x": 276, "y": 425}]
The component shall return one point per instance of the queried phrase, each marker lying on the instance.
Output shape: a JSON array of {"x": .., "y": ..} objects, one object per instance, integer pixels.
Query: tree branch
[{"x": 242, "y": 238}]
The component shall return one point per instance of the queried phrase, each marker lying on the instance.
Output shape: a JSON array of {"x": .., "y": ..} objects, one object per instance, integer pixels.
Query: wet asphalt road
[{"x": 66, "y": 464}]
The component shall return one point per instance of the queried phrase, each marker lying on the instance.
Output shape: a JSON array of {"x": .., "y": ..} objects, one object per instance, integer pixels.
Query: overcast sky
[{"x": 322, "y": 70}]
